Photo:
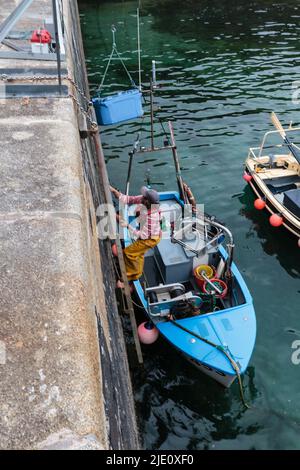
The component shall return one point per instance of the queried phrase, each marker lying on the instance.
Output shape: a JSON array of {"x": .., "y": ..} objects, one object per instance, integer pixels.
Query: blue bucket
[{"x": 117, "y": 108}]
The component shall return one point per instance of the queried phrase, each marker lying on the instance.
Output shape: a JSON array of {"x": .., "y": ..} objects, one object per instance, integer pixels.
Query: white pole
[
  {"x": 139, "y": 48},
  {"x": 154, "y": 73}
]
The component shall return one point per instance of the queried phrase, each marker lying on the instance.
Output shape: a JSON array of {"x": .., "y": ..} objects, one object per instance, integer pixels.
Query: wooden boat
[
  {"x": 208, "y": 317},
  {"x": 273, "y": 172}
]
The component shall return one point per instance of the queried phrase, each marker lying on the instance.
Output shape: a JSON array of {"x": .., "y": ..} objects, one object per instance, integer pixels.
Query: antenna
[{"x": 139, "y": 47}]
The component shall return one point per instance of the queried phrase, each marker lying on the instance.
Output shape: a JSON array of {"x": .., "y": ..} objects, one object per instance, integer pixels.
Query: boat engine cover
[
  {"x": 174, "y": 264},
  {"x": 291, "y": 201}
]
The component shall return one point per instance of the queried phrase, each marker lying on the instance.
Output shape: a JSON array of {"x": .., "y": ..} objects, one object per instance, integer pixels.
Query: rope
[
  {"x": 164, "y": 130},
  {"x": 118, "y": 273},
  {"x": 223, "y": 350},
  {"x": 113, "y": 52}
]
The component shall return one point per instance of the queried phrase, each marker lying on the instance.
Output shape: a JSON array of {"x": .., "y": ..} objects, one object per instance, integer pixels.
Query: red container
[
  {"x": 207, "y": 288},
  {"x": 41, "y": 36}
]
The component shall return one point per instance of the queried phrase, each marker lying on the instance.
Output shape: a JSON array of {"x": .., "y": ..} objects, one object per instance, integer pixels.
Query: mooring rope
[{"x": 221, "y": 349}]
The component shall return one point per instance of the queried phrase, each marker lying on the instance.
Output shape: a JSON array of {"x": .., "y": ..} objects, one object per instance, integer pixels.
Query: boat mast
[
  {"x": 139, "y": 47},
  {"x": 177, "y": 165},
  {"x": 152, "y": 148},
  {"x": 152, "y": 114}
]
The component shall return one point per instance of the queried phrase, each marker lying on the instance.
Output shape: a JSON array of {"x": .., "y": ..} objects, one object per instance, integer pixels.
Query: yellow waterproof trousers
[{"x": 134, "y": 257}]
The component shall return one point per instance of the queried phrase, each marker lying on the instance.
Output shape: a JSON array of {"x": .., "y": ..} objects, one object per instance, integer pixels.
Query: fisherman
[{"x": 149, "y": 233}]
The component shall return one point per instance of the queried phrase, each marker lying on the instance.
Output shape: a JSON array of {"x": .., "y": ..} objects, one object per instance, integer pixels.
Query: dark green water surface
[{"x": 224, "y": 66}]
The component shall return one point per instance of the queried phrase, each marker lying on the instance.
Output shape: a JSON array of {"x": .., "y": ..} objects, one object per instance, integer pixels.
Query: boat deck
[{"x": 279, "y": 172}]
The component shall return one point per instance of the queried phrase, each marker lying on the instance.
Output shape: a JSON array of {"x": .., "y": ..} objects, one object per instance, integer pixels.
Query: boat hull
[
  {"x": 203, "y": 339},
  {"x": 224, "y": 379},
  {"x": 273, "y": 206}
]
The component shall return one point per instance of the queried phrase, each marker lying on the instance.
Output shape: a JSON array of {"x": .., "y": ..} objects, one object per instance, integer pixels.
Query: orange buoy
[
  {"x": 259, "y": 204},
  {"x": 276, "y": 220},
  {"x": 247, "y": 177}
]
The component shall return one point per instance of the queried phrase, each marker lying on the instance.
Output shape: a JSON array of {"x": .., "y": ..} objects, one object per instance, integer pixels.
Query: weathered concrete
[
  {"x": 58, "y": 387},
  {"x": 45, "y": 281}
]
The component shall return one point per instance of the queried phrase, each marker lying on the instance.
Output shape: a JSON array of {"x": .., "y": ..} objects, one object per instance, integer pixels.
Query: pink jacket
[{"x": 149, "y": 220}]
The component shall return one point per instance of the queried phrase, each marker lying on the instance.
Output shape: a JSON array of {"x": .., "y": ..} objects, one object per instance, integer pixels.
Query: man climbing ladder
[{"x": 149, "y": 233}]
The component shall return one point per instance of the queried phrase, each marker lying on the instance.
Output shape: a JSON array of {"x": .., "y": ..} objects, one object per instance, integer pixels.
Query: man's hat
[{"x": 150, "y": 194}]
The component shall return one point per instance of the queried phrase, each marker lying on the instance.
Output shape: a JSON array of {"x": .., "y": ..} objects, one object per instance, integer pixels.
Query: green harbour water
[{"x": 223, "y": 67}]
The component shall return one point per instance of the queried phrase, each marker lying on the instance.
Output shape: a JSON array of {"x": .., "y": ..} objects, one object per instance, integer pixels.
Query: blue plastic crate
[{"x": 117, "y": 108}]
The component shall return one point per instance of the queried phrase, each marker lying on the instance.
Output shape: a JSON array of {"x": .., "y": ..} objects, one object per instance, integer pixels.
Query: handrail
[
  {"x": 207, "y": 221},
  {"x": 13, "y": 18},
  {"x": 274, "y": 132}
]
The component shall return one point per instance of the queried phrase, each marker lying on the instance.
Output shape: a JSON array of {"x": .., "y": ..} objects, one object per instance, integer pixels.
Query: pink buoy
[
  {"x": 276, "y": 220},
  {"x": 259, "y": 204},
  {"x": 148, "y": 333},
  {"x": 299, "y": 242},
  {"x": 247, "y": 177},
  {"x": 114, "y": 249}
]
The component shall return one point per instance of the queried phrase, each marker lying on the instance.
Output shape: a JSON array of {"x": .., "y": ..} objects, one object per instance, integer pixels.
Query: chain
[
  {"x": 36, "y": 78},
  {"x": 78, "y": 90},
  {"x": 94, "y": 125},
  {"x": 30, "y": 78}
]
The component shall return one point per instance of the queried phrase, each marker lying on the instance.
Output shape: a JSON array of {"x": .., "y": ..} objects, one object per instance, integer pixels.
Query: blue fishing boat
[
  {"x": 191, "y": 290},
  {"x": 211, "y": 338}
]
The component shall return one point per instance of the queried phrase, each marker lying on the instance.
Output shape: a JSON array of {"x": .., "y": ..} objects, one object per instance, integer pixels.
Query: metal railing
[{"x": 257, "y": 152}]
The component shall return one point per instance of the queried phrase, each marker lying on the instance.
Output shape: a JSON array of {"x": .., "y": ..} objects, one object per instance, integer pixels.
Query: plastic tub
[
  {"x": 119, "y": 107},
  {"x": 209, "y": 272},
  {"x": 207, "y": 288}
]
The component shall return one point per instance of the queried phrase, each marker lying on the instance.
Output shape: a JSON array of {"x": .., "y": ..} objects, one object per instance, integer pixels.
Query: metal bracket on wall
[
  {"x": 13, "y": 73},
  {"x": 28, "y": 56},
  {"x": 34, "y": 91},
  {"x": 12, "y": 45},
  {"x": 13, "y": 18}
]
